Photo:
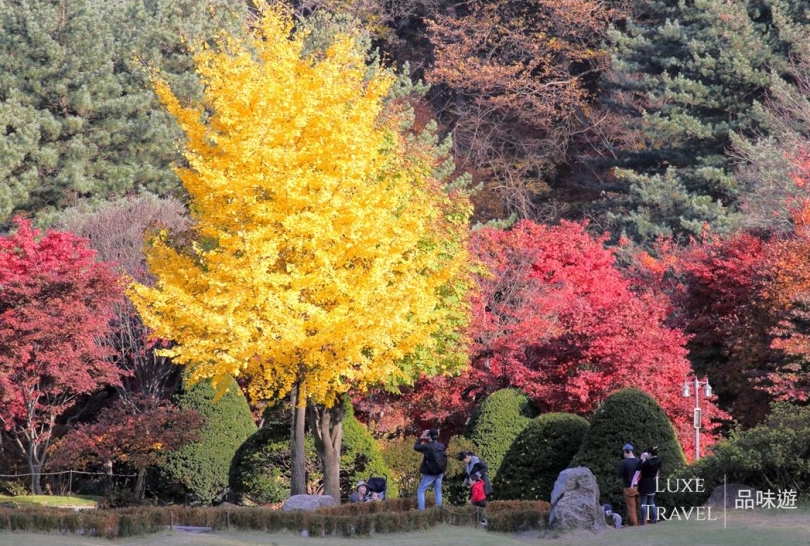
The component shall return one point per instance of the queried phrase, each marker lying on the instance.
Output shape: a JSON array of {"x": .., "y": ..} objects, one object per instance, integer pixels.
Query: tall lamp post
[{"x": 707, "y": 391}]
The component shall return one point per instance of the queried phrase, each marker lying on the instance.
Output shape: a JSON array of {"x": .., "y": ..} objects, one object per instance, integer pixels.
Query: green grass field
[
  {"x": 52, "y": 501},
  {"x": 771, "y": 528}
]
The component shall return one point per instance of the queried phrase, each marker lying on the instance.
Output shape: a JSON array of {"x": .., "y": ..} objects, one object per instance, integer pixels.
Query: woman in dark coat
[{"x": 650, "y": 465}]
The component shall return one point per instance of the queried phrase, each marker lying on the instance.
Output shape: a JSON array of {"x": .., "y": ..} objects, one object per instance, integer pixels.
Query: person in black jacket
[
  {"x": 474, "y": 466},
  {"x": 650, "y": 465},
  {"x": 627, "y": 469},
  {"x": 434, "y": 461}
]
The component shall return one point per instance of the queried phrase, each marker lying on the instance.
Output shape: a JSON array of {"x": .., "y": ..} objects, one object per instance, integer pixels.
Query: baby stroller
[{"x": 378, "y": 486}]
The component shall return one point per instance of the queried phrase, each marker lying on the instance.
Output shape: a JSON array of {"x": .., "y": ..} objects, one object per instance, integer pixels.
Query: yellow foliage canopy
[{"x": 324, "y": 251}]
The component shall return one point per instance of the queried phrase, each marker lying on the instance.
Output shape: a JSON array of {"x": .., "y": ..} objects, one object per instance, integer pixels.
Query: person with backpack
[
  {"x": 626, "y": 473},
  {"x": 434, "y": 463}
]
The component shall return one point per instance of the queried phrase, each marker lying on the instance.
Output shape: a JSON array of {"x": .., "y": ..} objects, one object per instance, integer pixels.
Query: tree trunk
[
  {"x": 327, "y": 426},
  {"x": 298, "y": 478},
  {"x": 140, "y": 484},
  {"x": 36, "y": 476},
  {"x": 34, "y": 464}
]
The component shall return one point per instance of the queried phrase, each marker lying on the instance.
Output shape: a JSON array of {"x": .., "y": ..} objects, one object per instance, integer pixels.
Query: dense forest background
[
  {"x": 647, "y": 118},
  {"x": 652, "y": 154}
]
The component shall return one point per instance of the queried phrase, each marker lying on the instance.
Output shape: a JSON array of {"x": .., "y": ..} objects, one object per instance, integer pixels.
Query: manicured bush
[
  {"x": 537, "y": 456},
  {"x": 495, "y": 424},
  {"x": 260, "y": 470},
  {"x": 514, "y": 516},
  {"x": 200, "y": 470},
  {"x": 361, "y": 457},
  {"x": 628, "y": 416}
]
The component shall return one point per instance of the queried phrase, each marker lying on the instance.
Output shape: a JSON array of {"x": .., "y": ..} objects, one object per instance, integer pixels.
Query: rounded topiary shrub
[
  {"x": 260, "y": 470},
  {"x": 495, "y": 424},
  {"x": 201, "y": 469},
  {"x": 537, "y": 456},
  {"x": 628, "y": 416},
  {"x": 361, "y": 457}
]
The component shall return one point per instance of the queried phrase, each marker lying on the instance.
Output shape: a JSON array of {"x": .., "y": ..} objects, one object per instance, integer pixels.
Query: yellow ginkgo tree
[{"x": 326, "y": 256}]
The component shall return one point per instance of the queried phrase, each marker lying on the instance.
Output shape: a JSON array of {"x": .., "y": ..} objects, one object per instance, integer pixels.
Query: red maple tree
[
  {"x": 55, "y": 304},
  {"x": 125, "y": 435},
  {"x": 787, "y": 295},
  {"x": 715, "y": 286},
  {"x": 555, "y": 317}
]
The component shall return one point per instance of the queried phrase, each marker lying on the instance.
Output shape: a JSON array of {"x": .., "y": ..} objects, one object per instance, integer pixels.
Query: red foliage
[
  {"x": 555, "y": 318},
  {"x": 122, "y": 435},
  {"x": 787, "y": 297},
  {"x": 55, "y": 303},
  {"x": 715, "y": 287}
]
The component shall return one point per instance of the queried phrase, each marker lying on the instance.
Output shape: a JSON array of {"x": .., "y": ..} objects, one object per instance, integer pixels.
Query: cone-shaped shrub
[
  {"x": 496, "y": 423},
  {"x": 201, "y": 469},
  {"x": 260, "y": 470},
  {"x": 537, "y": 456},
  {"x": 628, "y": 416}
]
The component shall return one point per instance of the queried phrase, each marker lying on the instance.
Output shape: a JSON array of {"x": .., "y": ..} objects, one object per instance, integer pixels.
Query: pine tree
[
  {"x": 688, "y": 74},
  {"x": 78, "y": 117}
]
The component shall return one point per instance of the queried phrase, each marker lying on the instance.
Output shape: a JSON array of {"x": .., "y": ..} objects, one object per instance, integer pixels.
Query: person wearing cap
[
  {"x": 360, "y": 493},
  {"x": 627, "y": 469},
  {"x": 434, "y": 460}
]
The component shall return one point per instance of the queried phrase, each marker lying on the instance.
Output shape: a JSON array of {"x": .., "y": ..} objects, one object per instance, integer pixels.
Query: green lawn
[
  {"x": 53, "y": 501},
  {"x": 770, "y": 528}
]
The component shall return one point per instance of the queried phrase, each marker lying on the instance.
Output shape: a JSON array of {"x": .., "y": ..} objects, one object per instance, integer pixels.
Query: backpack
[{"x": 435, "y": 462}]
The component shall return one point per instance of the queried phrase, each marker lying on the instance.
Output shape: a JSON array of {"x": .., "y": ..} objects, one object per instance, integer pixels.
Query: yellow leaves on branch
[{"x": 324, "y": 251}]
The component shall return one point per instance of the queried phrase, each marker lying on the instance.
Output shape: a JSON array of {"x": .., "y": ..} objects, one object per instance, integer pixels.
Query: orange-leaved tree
[
  {"x": 787, "y": 293},
  {"x": 325, "y": 255},
  {"x": 520, "y": 77}
]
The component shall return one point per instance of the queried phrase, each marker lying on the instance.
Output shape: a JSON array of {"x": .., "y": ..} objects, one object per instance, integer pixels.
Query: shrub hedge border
[{"x": 389, "y": 516}]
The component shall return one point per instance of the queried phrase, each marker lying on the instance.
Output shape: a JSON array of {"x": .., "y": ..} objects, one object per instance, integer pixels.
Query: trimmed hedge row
[{"x": 389, "y": 516}]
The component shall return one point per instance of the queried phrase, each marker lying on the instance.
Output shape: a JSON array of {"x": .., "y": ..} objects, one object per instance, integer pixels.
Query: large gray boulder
[
  {"x": 307, "y": 503},
  {"x": 733, "y": 495},
  {"x": 575, "y": 502}
]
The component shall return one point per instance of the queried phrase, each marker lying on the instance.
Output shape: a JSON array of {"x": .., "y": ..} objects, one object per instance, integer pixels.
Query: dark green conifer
[
  {"x": 78, "y": 118},
  {"x": 687, "y": 75},
  {"x": 201, "y": 469},
  {"x": 634, "y": 417}
]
